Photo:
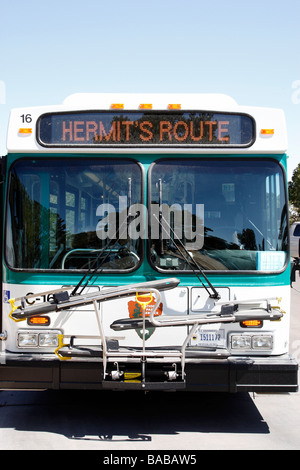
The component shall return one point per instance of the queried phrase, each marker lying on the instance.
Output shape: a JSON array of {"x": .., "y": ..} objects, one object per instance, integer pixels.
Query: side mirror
[{"x": 295, "y": 266}]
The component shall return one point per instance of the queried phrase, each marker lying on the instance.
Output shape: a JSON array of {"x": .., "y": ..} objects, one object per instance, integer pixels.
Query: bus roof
[
  {"x": 159, "y": 100},
  {"x": 269, "y": 123}
]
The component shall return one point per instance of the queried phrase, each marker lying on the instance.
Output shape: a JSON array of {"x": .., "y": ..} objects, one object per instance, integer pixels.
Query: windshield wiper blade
[
  {"x": 91, "y": 272},
  {"x": 214, "y": 294}
]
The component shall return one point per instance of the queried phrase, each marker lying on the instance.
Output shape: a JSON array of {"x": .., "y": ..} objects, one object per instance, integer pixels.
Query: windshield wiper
[
  {"x": 92, "y": 272},
  {"x": 190, "y": 261},
  {"x": 210, "y": 289}
]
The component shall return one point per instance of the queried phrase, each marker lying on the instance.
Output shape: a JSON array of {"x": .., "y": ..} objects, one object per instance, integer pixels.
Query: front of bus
[{"x": 146, "y": 246}]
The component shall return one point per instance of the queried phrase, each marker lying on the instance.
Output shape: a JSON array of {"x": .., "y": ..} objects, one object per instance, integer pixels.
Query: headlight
[
  {"x": 262, "y": 342},
  {"x": 38, "y": 338},
  {"x": 28, "y": 340},
  {"x": 240, "y": 342},
  {"x": 48, "y": 340},
  {"x": 246, "y": 342}
]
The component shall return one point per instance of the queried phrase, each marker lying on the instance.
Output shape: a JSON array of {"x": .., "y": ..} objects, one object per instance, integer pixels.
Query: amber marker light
[
  {"x": 25, "y": 130},
  {"x": 117, "y": 106},
  {"x": 267, "y": 131},
  {"x": 145, "y": 106},
  {"x": 174, "y": 106}
]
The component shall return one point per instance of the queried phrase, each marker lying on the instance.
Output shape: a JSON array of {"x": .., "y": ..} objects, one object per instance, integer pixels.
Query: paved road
[{"x": 104, "y": 421}]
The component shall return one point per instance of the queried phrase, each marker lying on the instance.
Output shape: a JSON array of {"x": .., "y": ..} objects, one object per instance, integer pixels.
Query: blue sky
[{"x": 249, "y": 50}]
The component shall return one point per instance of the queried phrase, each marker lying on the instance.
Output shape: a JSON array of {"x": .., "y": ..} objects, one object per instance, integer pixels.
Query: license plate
[{"x": 209, "y": 338}]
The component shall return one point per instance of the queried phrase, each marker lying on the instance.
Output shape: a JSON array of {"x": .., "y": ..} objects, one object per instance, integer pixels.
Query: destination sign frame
[{"x": 145, "y": 128}]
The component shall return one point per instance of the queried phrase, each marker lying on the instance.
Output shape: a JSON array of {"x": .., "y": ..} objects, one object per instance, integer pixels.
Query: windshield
[
  {"x": 225, "y": 214},
  {"x": 83, "y": 214},
  {"x": 58, "y": 211}
]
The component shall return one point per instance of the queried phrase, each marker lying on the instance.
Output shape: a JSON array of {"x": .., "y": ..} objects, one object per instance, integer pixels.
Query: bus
[{"x": 146, "y": 246}]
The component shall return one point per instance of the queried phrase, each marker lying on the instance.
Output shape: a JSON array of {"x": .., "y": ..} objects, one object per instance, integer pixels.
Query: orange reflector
[
  {"x": 117, "y": 106},
  {"x": 146, "y": 106},
  {"x": 174, "y": 106},
  {"x": 267, "y": 131},
  {"x": 252, "y": 323},
  {"x": 39, "y": 320},
  {"x": 25, "y": 130}
]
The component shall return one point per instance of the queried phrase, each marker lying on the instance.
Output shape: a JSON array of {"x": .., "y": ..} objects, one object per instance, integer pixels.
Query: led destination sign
[{"x": 145, "y": 129}]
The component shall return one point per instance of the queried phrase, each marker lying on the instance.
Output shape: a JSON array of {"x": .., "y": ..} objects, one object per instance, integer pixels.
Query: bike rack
[{"x": 229, "y": 312}]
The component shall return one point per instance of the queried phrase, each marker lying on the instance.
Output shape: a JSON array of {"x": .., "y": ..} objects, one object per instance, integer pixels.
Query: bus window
[
  {"x": 66, "y": 215},
  {"x": 244, "y": 222}
]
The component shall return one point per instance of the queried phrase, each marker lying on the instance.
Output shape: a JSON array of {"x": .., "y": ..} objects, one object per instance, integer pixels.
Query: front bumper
[{"x": 231, "y": 374}]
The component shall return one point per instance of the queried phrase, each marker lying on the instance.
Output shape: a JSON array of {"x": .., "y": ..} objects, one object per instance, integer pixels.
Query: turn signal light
[
  {"x": 267, "y": 131},
  {"x": 39, "y": 320},
  {"x": 251, "y": 323}
]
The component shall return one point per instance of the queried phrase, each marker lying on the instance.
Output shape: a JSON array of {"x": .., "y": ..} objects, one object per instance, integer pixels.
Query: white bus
[{"x": 146, "y": 246}]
